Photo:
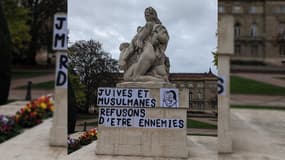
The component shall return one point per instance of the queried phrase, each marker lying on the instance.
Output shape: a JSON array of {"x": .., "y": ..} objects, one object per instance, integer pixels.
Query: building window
[
  {"x": 237, "y": 29},
  {"x": 282, "y": 9},
  {"x": 221, "y": 9},
  {"x": 237, "y": 49},
  {"x": 200, "y": 106},
  {"x": 200, "y": 95},
  {"x": 252, "y": 9},
  {"x": 190, "y": 96},
  {"x": 282, "y": 30},
  {"x": 254, "y": 50},
  {"x": 237, "y": 9},
  {"x": 282, "y": 50},
  {"x": 190, "y": 85},
  {"x": 200, "y": 85},
  {"x": 253, "y": 30}
]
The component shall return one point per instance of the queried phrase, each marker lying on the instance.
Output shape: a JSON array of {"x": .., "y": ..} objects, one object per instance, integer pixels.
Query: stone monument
[{"x": 145, "y": 115}]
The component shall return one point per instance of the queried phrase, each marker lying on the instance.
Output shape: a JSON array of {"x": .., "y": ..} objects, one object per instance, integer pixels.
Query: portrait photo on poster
[{"x": 169, "y": 97}]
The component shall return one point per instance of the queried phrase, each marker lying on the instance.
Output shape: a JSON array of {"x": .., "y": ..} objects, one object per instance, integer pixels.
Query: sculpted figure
[{"x": 144, "y": 58}]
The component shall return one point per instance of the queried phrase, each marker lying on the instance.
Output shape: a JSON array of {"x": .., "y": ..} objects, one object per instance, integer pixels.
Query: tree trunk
[{"x": 5, "y": 58}]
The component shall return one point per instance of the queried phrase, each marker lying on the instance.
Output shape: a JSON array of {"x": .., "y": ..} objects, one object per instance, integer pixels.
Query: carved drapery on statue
[{"x": 144, "y": 59}]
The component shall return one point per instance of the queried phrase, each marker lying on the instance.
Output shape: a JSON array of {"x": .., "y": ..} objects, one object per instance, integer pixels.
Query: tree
[
  {"x": 17, "y": 19},
  {"x": 41, "y": 24},
  {"x": 5, "y": 58},
  {"x": 93, "y": 66}
]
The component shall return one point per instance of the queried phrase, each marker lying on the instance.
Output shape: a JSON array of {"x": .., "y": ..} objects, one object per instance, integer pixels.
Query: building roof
[
  {"x": 192, "y": 76},
  {"x": 182, "y": 76}
]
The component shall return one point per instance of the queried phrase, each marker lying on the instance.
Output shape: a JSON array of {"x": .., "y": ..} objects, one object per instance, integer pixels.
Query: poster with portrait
[{"x": 169, "y": 97}]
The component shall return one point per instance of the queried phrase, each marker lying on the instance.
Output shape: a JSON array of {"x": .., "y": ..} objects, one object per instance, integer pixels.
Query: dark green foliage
[
  {"x": 41, "y": 23},
  {"x": 93, "y": 66},
  {"x": 17, "y": 19}
]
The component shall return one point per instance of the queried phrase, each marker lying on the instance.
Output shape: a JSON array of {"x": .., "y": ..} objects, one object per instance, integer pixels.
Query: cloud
[{"x": 191, "y": 26}]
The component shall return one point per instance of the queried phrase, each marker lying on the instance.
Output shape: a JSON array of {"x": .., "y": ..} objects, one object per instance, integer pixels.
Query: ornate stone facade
[{"x": 259, "y": 29}]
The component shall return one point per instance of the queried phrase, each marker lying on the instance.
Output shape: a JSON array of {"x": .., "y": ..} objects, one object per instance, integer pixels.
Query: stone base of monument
[{"x": 167, "y": 141}]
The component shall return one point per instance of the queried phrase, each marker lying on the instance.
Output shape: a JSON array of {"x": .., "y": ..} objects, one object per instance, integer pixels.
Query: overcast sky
[{"x": 191, "y": 25}]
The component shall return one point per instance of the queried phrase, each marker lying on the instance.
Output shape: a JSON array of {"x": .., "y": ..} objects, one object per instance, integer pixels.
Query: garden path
[{"x": 257, "y": 100}]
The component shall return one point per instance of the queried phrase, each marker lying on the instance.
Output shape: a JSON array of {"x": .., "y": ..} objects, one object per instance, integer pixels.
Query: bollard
[
  {"x": 29, "y": 88},
  {"x": 84, "y": 128}
]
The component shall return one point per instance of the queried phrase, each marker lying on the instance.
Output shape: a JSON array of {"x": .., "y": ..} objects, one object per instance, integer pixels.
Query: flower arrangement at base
[
  {"x": 88, "y": 137},
  {"x": 73, "y": 145},
  {"x": 30, "y": 115},
  {"x": 8, "y": 127},
  {"x": 85, "y": 139},
  {"x": 35, "y": 111}
]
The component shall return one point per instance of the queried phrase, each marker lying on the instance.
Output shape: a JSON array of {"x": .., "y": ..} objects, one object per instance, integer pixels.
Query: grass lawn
[
  {"x": 197, "y": 124},
  {"x": 85, "y": 116},
  {"x": 95, "y": 124},
  {"x": 27, "y": 74},
  {"x": 246, "y": 86},
  {"x": 282, "y": 78},
  {"x": 49, "y": 85},
  {"x": 258, "y": 107}
]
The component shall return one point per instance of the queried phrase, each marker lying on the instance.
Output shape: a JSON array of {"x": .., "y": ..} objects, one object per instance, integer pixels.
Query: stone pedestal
[{"x": 155, "y": 142}]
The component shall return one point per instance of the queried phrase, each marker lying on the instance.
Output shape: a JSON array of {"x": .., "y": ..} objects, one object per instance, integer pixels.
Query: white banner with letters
[
  {"x": 134, "y": 117},
  {"x": 125, "y": 97}
]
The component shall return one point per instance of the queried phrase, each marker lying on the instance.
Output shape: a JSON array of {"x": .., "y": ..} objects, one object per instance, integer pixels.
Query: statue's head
[{"x": 151, "y": 15}]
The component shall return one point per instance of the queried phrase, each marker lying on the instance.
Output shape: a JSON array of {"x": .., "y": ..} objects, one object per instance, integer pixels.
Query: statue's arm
[
  {"x": 160, "y": 37},
  {"x": 163, "y": 36},
  {"x": 146, "y": 31}
]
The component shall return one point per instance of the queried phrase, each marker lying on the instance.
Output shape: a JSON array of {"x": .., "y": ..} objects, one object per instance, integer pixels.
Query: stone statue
[{"x": 144, "y": 59}]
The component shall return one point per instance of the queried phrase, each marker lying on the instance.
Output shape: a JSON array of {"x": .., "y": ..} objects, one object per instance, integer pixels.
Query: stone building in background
[
  {"x": 259, "y": 30},
  {"x": 202, "y": 89}
]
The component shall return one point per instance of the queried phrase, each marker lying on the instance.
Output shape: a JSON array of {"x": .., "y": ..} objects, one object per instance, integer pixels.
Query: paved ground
[
  {"x": 33, "y": 144},
  {"x": 12, "y": 108},
  {"x": 20, "y": 94},
  {"x": 258, "y": 100}
]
